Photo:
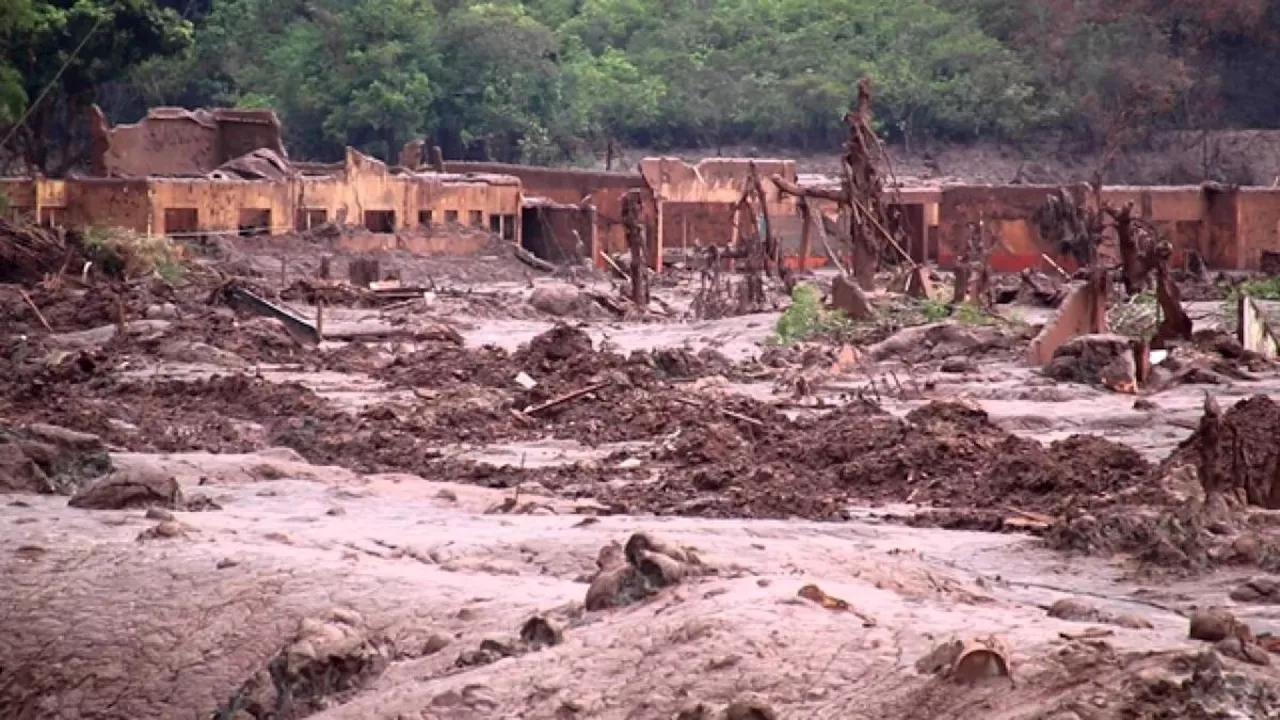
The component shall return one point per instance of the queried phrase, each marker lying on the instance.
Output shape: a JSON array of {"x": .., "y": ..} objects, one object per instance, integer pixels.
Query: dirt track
[{"x": 415, "y": 482}]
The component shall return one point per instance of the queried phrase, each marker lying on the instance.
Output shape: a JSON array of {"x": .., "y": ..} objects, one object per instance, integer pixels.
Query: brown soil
[{"x": 944, "y": 455}]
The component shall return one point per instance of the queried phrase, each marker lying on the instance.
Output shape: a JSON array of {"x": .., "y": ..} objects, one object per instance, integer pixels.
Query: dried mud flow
[{"x": 376, "y": 573}]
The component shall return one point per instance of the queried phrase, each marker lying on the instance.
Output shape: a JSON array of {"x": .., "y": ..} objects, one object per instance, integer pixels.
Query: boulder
[
  {"x": 128, "y": 488},
  {"x": 559, "y": 300},
  {"x": 49, "y": 459},
  {"x": 19, "y": 473},
  {"x": 1098, "y": 359}
]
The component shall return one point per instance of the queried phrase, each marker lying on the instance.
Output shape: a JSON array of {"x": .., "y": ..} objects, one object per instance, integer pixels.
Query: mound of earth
[
  {"x": 1244, "y": 449},
  {"x": 943, "y": 455}
]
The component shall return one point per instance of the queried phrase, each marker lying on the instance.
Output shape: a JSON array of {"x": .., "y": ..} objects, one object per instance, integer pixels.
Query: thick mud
[{"x": 364, "y": 529}]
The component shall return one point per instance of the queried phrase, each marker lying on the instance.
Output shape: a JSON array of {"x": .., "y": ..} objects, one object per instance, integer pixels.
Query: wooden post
[
  {"x": 806, "y": 233},
  {"x": 656, "y": 247}
]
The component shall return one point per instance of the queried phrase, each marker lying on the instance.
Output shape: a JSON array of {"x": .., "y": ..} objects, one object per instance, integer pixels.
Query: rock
[
  {"x": 1121, "y": 374},
  {"x": 1132, "y": 622},
  {"x": 538, "y": 632},
  {"x": 1214, "y": 625},
  {"x": 1265, "y": 591},
  {"x": 164, "y": 531},
  {"x": 131, "y": 487},
  {"x": 324, "y": 661},
  {"x": 1243, "y": 650},
  {"x": 65, "y": 439},
  {"x": 1246, "y": 550},
  {"x": 634, "y": 572},
  {"x": 491, "y": 651},
  {"x": 749, "y": 709},
  {"x": 157, "y": 513},
  {"x": 161, "y": 311},
  {"x": 435, "y": 644},
  {"x": 559, "y": 300},
  {"x": 19, "y": 473},
  {"x": 49, "y": 459},
  {"x": 1145, "y": 405},
  {"x": 848, "y": 297},
  {"x": 1087, "y": 358},
  {"x": 1074, "y": 610},
  {"x": 617, "y": 587},
  {"x": 957, "y": 364},
  {"x": 696, "y": 712},
  {"x": 202, "y": 353}
]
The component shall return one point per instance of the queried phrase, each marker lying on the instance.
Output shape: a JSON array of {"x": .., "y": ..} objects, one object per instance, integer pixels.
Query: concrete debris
[
  {"x": 1083, "y": 312},
  {"x": 1253, "y": 331},
  {"x": 132, "y": 487},
  {"x": 632, "y": 573}
]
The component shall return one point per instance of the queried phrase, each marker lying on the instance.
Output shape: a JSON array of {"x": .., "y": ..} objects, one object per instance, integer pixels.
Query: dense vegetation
[{"x": 554, "y": 80}]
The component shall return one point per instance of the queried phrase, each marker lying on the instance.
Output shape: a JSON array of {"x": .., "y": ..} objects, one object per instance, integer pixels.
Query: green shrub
[{"x": 806, "y": 318}]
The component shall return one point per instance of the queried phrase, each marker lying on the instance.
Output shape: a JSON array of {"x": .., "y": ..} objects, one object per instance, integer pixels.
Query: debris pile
[
  {"x": 1201, "y": 686},
  {"x": 943, "y": 455}
]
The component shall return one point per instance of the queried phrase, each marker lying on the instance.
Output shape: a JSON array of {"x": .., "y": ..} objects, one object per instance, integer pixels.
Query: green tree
[
  {"x": 502, "y": 96},
  {"x": 72, "y": 48}
]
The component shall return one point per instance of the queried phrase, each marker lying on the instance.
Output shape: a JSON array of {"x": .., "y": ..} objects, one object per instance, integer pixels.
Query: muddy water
[{"x": 421, "y": 558}]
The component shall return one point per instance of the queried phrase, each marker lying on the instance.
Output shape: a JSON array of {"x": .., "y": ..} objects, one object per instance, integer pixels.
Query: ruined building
[{"x": 226, "y": 171}]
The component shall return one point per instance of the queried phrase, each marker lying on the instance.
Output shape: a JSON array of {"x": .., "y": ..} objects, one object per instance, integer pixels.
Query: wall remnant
[
  {"x": 1254, "y": 332},
  {"x": 1082, "y": 312},
  {"x": 176, "y": 141}
]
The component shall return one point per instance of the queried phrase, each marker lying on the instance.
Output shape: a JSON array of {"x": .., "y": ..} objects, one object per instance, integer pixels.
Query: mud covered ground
[{"x": 420, "y": 521}]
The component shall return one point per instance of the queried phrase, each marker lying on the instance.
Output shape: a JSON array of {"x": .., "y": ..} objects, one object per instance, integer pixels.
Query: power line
[{"x": 31, "y": 108}]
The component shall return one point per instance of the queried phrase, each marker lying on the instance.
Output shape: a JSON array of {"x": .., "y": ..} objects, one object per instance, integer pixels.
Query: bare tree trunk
[{"x": 636, "y": 241}]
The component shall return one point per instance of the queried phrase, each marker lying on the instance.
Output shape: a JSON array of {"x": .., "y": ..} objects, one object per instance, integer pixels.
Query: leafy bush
[
  {"x": 806, "y": 318},
  {"x": 127, "y": 254}
]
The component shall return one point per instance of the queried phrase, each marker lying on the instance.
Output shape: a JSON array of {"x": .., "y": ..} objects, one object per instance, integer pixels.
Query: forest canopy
[{"x": 555, "y": 80}]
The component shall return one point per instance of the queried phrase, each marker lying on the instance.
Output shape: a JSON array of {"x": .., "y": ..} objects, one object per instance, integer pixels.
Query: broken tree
[
  {"x": 865, "y": 221},
  {"x": 636, "y": 241}
]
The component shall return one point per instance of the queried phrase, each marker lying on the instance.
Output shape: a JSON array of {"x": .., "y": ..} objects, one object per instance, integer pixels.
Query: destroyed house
[{"x": 181, "y": 172}]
